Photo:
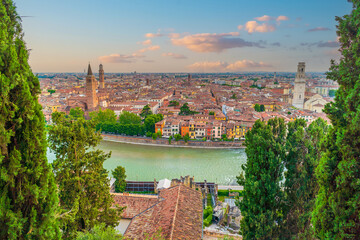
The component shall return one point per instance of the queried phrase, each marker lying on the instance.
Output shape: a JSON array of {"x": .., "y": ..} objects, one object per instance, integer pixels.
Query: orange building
[
  {"x": 159, "y": 126},
  {"x": 184, "y": 130}
]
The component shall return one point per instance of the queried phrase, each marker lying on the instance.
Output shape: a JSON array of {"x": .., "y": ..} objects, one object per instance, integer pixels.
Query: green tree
[
  {"x": 177, "y": 137},
  {"x": 257, "y": 107},
  {"x": 120, "y": 176},
  {"x": 233, "y": 96},
  {"x": 99, "y": 232},
  {"x": 332, "y": 93},
  {"x": 170, "y": 138},
  {"x": 28, "y": 194},
  {"x": 303, "y": 147},
  {"x": 154, "y": 136},
  {"x": 82, "y": 180},
  {"x": 185, "y": 110},
  {"x": 76, "y": 112},
  {"x": 262, "y": 108},
  {"x": 101, "y": 116},
  {"x": 174, "y": 103},
  {"x": 262, "y": 195},
  {"x": 146, "y": 111},
  {"x": 151, "y": 120},
  {"x": 211, "y": 113},
  {"x": 337, "y": 212},
  {"x": 129, "y": 118},
  {"x": 186, "y": 137}
]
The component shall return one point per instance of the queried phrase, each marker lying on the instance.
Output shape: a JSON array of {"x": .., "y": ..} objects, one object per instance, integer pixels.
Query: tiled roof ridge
[
  {"x": 176, "y": 207},
  {"x": 160, "y": 200}
]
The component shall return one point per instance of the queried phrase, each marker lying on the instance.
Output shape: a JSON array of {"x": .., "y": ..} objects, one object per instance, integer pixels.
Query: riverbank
[{"x": 165, "y": 142}]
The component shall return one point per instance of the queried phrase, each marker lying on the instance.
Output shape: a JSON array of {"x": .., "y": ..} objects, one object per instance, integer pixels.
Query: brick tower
[
  {"x": 91, "y": 98},
  {"x": 101, "y": 76},
  {"x": 299, "y": 88}
]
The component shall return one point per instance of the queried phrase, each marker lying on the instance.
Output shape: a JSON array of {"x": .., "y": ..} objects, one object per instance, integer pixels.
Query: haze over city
[{"x": 181, "y": 36}]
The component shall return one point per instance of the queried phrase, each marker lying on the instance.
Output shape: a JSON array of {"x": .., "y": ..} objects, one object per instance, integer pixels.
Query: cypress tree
[
  {"x": 261, "y": 204},
  {"x": 303, "y": 151},
  {"x": 28, "y": 194},
  {"x": 83, "y": 182},
  {"x": 337, "y": 212}
]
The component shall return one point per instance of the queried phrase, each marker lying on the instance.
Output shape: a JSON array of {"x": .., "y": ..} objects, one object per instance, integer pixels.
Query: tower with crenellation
[{"x": 299, "y": 87}]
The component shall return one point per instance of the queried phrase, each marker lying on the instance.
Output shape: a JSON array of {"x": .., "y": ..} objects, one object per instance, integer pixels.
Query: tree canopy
[
  {"x": 101, "y": 116},
  {"x": 129, "y": 118},
  {"x": 146, "y": 111},
  {"x": 120, "y": 176},
  {"x": 84, "y": 187},
  {"x": 28, "y": 194},
  {"x": 337, "y": 212}
]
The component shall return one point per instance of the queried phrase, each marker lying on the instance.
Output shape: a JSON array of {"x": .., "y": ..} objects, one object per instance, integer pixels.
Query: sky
[{"x": 181, "y": 35}]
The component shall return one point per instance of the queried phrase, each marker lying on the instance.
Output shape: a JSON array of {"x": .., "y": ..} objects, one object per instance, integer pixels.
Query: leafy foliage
[
  {"x": 120, "y": 176},
  {"x": 262, "y": 194},
  {"x": 117, "y": 128},
  {"x": 145, "y": 112},
  {"x": 185, "y": 110},
  {"x": 174, "y": 103},
  {"x": 76, "y": 113},
  {"x": 337, "y": 212},
  {"x": 303, "y": 147},
  {"x": 101, "y": 116},
  {"x": 28, "y": 194},
  {"x": 151, "y": 120},
  {"x": 99, "y": 232},
  {"x": 82, "y": 180},
  {"x": 129, "y": 118}
]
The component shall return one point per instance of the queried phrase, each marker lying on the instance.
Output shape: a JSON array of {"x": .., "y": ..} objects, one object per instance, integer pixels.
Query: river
[{"x": 144, "y": 163}]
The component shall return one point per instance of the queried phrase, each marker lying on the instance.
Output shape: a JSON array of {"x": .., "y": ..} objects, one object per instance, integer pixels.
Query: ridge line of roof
[{"x": 176, "y": 207}]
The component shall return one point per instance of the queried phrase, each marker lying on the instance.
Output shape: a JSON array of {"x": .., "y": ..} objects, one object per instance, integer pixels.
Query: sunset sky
[{"x": 181, "y": 35}]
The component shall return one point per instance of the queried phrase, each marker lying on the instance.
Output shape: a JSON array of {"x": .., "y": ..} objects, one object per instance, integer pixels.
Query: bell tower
[
  {"x": 91, "y": 98},
  {"x": 101, "y": 76},
  {"x": 299, "y": 87}
]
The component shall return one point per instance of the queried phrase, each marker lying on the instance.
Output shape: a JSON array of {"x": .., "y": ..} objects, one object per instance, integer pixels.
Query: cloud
[
  {"x": 264, "y": 18},
  {"x": 226, "y": 67},
  {"x": 150, "y": 48},
  {"x": 276, "y": 44},
  {"x": 212, "y": 42},
  {"x": 317, "y": 29},
  {"x": 120, "y": 58},
  {"x": 174, "y": 35},
  {"x": 321, "y": 44},
  {"x": 146, "y": 42},
  {"x": 208, "y": 66},
  {"x": 253, "y": 26},
  {"x": 153, "y": 35},
  {"x": 174, "y": 55},
  {"x": 282, "y": 18}
]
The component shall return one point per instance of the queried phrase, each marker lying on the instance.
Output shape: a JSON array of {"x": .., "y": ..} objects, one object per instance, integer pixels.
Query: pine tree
[
  {"x": 120, "y": 176},
  {"x": 303, "y": 147},
  {"x": 28, "y": 194},
  {"x": 337, "y": 213},
  {"x": 261, "y": 204},
  {"x": 83, "y": 182}
]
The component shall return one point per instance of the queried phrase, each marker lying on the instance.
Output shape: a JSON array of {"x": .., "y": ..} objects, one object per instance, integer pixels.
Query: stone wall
[{"x": 165, "y": 142}]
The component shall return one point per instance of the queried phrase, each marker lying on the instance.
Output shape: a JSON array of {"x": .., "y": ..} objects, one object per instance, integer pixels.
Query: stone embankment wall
[
  {"x": 209, "y": 234},
  {"x": 165, "y": 142}
]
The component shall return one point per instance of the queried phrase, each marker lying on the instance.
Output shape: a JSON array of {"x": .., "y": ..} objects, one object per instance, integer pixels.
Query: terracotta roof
[
  {"x": 134, "y": 204},
  {"x": 178, "y": 215}
]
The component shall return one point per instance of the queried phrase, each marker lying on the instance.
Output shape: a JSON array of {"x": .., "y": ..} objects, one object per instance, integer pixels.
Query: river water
[{"x": 144, "y": 163}]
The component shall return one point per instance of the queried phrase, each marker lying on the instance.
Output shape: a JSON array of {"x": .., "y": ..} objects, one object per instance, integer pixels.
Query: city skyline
[{"x": 181, "y": 36}]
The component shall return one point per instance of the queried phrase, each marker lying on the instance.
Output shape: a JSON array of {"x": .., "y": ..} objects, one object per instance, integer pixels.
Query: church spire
[{"x": 89, "y": 70}]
